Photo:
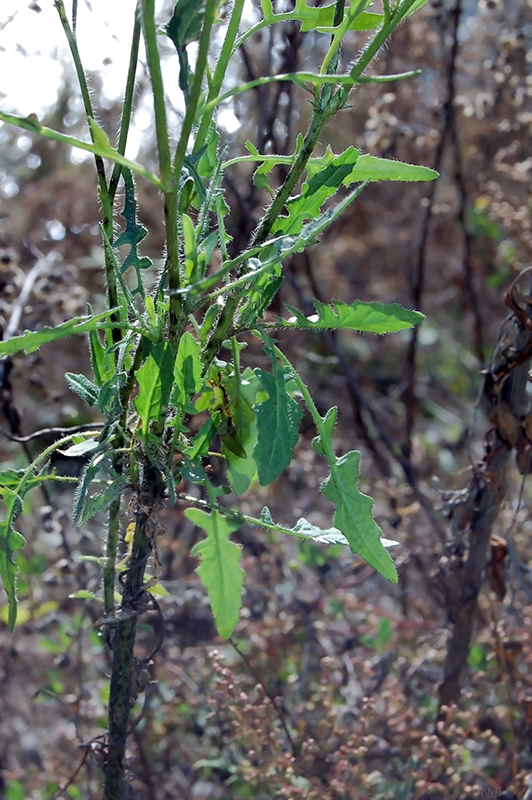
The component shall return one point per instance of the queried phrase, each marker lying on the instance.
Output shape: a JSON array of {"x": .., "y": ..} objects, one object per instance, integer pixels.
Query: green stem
[
  {"x": 127, "y": 106},
  {"x": 170, "y": 185},
  {"x": 111, "y": 547},
  {"x": 123, "y": 638},
  {"x": 154, "y": 68},
  {"x": 171, "y": 197},
  {"x": 195, "y": 92},
  {"x": 219, "y": 73},
  {"x": 103, "y": 192}
]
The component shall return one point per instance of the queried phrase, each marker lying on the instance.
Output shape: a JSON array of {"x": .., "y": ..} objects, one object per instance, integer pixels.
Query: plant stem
[
  {"x": 219, "y": 72},
  {"x": 127, "y": 106},
  {"x": 193, "y": 99},
  {"x": 123, "y": 638}
]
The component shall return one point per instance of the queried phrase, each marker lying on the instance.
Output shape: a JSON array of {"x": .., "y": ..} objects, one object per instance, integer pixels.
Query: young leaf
[
  {"x": 373, "y": 168},
  {"x": 155, "y": 381},
  {"x": 323, "y": 179},
  {"x": 242, "y": 470},
  {"x": 103, "y": 499},
  {"x": 102, "y": 362},
  {"x": 10, "y": 541},
  {"x": 32, "y": 340},
  {"x": 219, "y": 571},
  {"x": 358, "y": 316},
  {"x": 187, "y": 373},
  {"x": 191, "y": 249},
  {"x": 133, "y": 234},
  {"x": 277, "y": 423},
  {"x": 83, "y": 387},
  {"x": 353, "y": 515}
]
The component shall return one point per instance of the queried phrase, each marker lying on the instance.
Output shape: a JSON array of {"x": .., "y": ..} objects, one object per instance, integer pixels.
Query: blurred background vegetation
[{"x": 331, "y": 691}]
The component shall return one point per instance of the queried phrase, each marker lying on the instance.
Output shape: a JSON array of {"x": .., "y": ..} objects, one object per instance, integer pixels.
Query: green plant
[{"x": 166, "y": 359}]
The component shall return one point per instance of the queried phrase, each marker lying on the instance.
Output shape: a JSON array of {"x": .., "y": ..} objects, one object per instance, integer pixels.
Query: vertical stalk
[
  {"x": 170, "y": 182},
  {"x": 219, "y": 71},
  {"x": 123, "y": 637},
  {"x": 193, "y": 99},
  {"x": 127, "y": 106}
]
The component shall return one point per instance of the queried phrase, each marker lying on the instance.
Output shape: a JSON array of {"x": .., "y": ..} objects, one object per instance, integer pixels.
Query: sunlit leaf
[
  {"x": 219, "y": 571},
  {"x": 353, "y": 515},
  {"x": 357, "y": 316},
  {"x": 32, "y": 340}
]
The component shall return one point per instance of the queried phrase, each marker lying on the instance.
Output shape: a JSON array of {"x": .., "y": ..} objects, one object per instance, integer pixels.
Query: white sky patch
[
  {"x": 33, "y": 49},
  {"x": 228, "y": 121},
  {"x": 34, "y": 52}
]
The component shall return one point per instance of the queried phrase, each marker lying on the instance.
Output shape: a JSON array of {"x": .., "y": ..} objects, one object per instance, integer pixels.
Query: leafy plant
[{"x": 167, "y": 376}]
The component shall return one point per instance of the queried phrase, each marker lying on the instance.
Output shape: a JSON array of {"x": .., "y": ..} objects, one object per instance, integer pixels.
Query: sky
[{"x": 33, "y": 49}]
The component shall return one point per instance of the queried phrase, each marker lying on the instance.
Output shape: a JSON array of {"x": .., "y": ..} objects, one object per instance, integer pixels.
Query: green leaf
[
  {"x": 328, "y": 423},
  {"x": 277, "y": 424},
  {"x": 187, "y": 373},
  {"x": 133, "y": 234},
  {"x": 99, "y": 147},
  {"x": 103, "y": 499},
  {"x": 353, "y": 167},
  {"x": 183, "y": 28},
  {"x": 313, "y": 18},
  {"x": 358, "y": 316},
  {"x": 353, "y": 515},
  {"x": 186, "y": 22},
  {"x": 10, "y": 541},
  {"x": 102, "y": 362},
  {"x": 219, "y": 571},
  {"x": 242, "y": 470},
  {"x": 83, "y": 387},
  {"x": 155, "y": 381},
  {"x": 92, "y": 469},
  {"x": 324, "y": 177},
  {"x": 32, "y": 340},
  {"x": 191, "y": 248},
  {"x": 373, "y": 168}
]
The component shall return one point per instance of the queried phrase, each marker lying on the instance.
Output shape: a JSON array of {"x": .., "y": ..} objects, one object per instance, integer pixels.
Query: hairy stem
[{"x": 123, "y": 637}]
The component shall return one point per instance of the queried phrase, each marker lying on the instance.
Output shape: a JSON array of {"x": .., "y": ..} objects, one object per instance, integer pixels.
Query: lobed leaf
[
  {"x": 219, "y": 571},
  {"x": 358, "y": 316},
  {"x": 323, "y": 180},
  {"x": 353, "y": 515},
  {"x": 133, "y": 233},
  {"x": 32, "y": 340},
  {"x": 313, "y": 18}
]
